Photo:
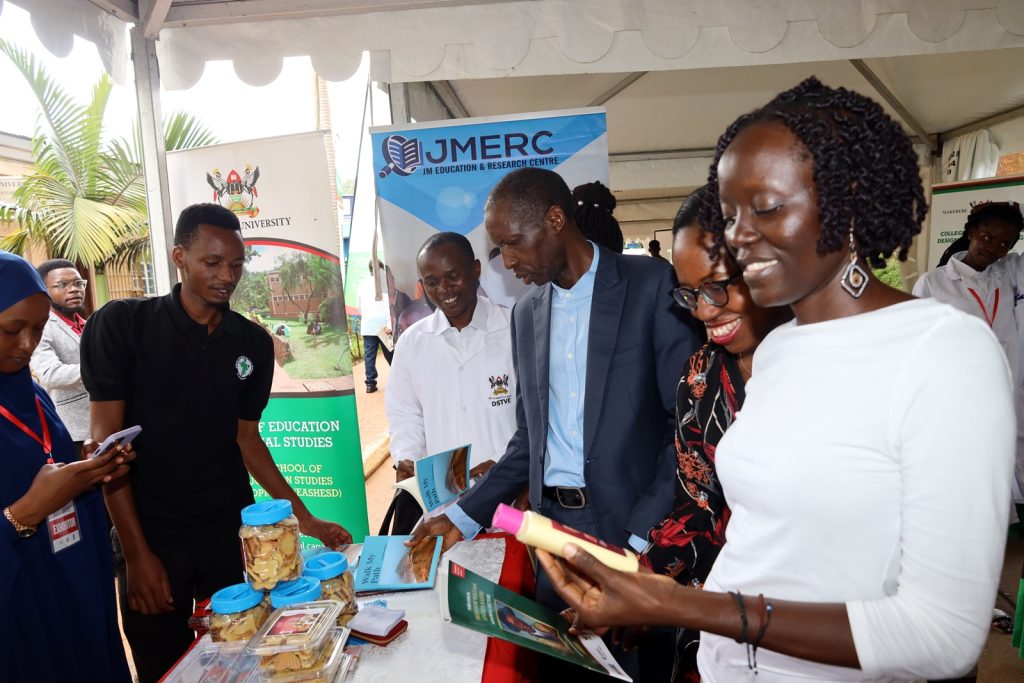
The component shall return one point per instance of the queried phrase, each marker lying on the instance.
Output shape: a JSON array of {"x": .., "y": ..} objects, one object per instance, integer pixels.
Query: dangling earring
[{"x": 855, "y": 278}]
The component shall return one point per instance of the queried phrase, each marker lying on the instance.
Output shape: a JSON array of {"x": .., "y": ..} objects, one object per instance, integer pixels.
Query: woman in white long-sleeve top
[{"x": 868, "y": 483}]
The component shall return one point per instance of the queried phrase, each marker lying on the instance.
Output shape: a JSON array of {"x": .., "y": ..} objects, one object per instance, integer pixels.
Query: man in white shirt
[
  {"x": 452, "y": 381},
  {"x": 375, "y": 315}
]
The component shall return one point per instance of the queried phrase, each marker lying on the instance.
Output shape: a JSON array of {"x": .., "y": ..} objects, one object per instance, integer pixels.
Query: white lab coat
[{"x": 449, "y": 388}]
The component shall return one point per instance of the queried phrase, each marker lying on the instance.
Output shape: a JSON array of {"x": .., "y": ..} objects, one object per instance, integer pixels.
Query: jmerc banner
[
  {"x": 435, "y": 177},
  {"x": 280, "y": 190},
  {"x": 952, "y": 202}
]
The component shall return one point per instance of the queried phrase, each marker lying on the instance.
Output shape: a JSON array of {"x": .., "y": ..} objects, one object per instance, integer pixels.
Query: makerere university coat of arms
[{"x": 237, "y": 193}]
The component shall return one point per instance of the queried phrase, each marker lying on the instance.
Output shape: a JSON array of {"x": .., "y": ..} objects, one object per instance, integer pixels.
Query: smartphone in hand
[{"x": 121, "y": 438}]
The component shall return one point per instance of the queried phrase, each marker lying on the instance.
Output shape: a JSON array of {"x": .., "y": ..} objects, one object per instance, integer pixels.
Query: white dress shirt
[
  {"x": 373, "y": 314},
  {"x": 449, "y": 388},
  {"x": 869, "y": 466}
]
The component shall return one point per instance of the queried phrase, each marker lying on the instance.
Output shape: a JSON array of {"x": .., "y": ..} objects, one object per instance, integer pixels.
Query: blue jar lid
[
  {"x": 235, "y": 598},
  {"x": 326, "y": 565},
  {"x": 266, "y": 512},
  {"x": 306, "y": 589}
]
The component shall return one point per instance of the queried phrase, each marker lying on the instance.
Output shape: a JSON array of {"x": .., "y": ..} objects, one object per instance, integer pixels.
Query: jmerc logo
[{"x": 503, "y": 151}]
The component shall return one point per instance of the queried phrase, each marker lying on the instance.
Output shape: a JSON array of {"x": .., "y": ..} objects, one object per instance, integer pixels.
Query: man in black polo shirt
[{"x": 196, "y": 376}]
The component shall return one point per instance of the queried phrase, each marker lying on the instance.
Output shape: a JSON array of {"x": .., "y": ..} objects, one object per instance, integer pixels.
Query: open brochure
[
  {"x": 386, "y": 564},
  {"x": 440, "y": 478},
  {"x": 474, "y": 602}
]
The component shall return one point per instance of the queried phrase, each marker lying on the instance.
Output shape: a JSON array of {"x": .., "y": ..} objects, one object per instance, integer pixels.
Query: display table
[{"x": 432, "y": 650}]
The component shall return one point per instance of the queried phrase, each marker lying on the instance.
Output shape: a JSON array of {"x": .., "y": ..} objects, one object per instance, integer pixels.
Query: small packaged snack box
[
  {"x": 270, "y": 544},
  {"x": 326, "y": 667},
  {"x": 335, "y": 582},
  {"x": 238, "y": 611},
  {"x": 296, "y": 633}
]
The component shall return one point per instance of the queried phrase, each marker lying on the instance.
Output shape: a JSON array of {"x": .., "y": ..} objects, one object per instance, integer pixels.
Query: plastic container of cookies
[
  {"x": 325, "y": 668},
  {"x": 295, "y": 635},
  {"x": 270, "y": 544},
  {"x": 238, "y": 611},
  {"x": 336, "y": 583},
  {"x": 209, "y": 662}
]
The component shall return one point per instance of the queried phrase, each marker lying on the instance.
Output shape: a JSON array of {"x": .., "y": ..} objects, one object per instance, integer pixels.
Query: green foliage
[
  {"x": 891, "y": 274},
  {"x": 86, "y": 200},
  {"x": 252, "y": 293},
  {"x": 310, "y": 275}
]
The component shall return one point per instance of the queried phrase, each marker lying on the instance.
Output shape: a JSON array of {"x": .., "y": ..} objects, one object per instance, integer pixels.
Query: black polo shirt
[{"x": 188, "y": 389}]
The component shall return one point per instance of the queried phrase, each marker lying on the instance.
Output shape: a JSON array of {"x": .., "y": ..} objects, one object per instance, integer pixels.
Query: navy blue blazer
[{"x": 638, "y": 344}]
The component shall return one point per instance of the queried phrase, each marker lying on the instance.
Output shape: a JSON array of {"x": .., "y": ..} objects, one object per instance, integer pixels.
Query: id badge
[{"x": 63, "y": 528}]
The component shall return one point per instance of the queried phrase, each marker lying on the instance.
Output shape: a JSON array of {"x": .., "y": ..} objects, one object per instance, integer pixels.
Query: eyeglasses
[
  {"x": 715, "y": 293},
  {"x": 70, "y": 284}
]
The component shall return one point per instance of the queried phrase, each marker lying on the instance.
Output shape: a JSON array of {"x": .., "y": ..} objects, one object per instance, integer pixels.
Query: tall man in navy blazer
[{"x": 598, "y": 349}]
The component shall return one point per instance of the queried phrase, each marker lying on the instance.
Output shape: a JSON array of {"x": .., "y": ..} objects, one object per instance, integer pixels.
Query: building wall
[{"x": 283, "y": 307}]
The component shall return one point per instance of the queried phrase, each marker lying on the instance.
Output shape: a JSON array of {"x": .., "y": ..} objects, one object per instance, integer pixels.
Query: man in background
[
  {"x": 375, "y": 319},
  {"x": 55, "y": 362},
  {"x": 654, "y": 248}
]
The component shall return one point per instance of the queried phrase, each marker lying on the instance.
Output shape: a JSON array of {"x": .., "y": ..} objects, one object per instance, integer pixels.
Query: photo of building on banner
[
  {"x": 435, "y": 177},
  {"x": 292, "y": 287}
]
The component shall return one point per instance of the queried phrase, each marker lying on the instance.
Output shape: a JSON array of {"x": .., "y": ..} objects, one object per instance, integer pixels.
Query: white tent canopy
[{"x": 672, "y": 73}]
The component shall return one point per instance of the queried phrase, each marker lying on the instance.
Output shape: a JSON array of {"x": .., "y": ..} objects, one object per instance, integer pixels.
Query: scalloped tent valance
[{"x": 418, "y": 40}]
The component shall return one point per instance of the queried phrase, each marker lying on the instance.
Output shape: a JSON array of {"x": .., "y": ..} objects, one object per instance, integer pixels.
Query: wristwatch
[{"x": 19, "y": 528}]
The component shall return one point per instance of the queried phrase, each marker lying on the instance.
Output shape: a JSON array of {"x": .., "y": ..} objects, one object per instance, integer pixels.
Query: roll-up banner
[
  {"x": 280, "y": 189},
  {"x": 951, "y": 202},
  {"x": 435, "y": 177}
]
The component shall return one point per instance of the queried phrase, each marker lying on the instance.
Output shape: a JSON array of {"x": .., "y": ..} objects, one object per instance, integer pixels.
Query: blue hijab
[{"x": 18, "y": 281}]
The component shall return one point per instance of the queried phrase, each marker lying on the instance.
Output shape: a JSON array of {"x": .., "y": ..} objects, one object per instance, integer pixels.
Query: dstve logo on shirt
[{"x": 499, "y": 390}]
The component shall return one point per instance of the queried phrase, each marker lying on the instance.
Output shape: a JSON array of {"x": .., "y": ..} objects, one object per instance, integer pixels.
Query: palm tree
[{"x": 86, "y": 200}]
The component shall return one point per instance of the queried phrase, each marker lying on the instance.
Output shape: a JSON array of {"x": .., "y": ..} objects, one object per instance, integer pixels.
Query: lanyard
[
  {"x": 43, "y": 441},
  {"x": 984, "y": 311}
]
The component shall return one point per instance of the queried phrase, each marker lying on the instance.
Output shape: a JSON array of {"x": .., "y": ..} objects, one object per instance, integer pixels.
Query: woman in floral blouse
[{"x": 709, "y": 395}]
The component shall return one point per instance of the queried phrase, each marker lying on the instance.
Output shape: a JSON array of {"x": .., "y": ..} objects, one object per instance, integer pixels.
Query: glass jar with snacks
[
  {"x": 238, "y": 612},
  {"x": 295, "y": 635},
  {"x": 335, "y": 582},
  {"x": 270, "y": 544}
]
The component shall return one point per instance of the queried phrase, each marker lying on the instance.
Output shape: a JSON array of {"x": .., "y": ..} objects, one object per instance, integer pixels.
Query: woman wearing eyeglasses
[{"x": 709, "y": 395}]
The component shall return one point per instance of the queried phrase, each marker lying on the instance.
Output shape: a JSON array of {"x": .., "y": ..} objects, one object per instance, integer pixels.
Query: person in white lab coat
[
  {"x": 978, "y": 275},
  {"x": 452, "y": 380}
]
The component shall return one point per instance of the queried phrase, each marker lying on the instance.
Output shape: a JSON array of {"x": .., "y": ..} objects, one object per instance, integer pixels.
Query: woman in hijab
[{"x": 58, "y": 620}]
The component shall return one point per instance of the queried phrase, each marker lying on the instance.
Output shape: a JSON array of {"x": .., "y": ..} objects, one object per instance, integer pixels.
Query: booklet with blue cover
[
  {"x": 440, "y": 478},
  {"x": 386, "y": 564}
]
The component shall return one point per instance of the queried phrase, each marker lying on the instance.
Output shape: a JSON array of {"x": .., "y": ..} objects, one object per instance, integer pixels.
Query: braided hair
[
  {"x": 593, "y": 215},
  {"x": 864, "y": 169},
  {"x": 982, "y": 213}
]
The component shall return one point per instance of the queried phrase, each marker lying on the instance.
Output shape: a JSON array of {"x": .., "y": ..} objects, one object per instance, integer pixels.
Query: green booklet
[{"x": 474, "y": 602}]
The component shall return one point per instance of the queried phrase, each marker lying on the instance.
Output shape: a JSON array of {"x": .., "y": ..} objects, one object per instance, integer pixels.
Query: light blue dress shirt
[
  {"x": 567, "y": 379},
  {"x": 567, "y": 386}
]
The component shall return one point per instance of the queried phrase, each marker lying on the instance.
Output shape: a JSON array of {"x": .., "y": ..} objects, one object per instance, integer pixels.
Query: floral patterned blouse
[{"x": 685, "y": 545}]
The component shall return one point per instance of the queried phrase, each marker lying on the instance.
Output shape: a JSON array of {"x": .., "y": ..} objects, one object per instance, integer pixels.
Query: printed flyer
[
  {"x": 386, "y": 564},
  {"x": 474, "y": 602},
  {"x": 280, "y": 190},
  {"x": 440, "y": 479}
]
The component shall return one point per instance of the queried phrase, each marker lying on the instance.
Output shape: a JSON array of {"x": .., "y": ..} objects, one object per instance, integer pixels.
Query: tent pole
[{"x": 154, "y": 158}]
